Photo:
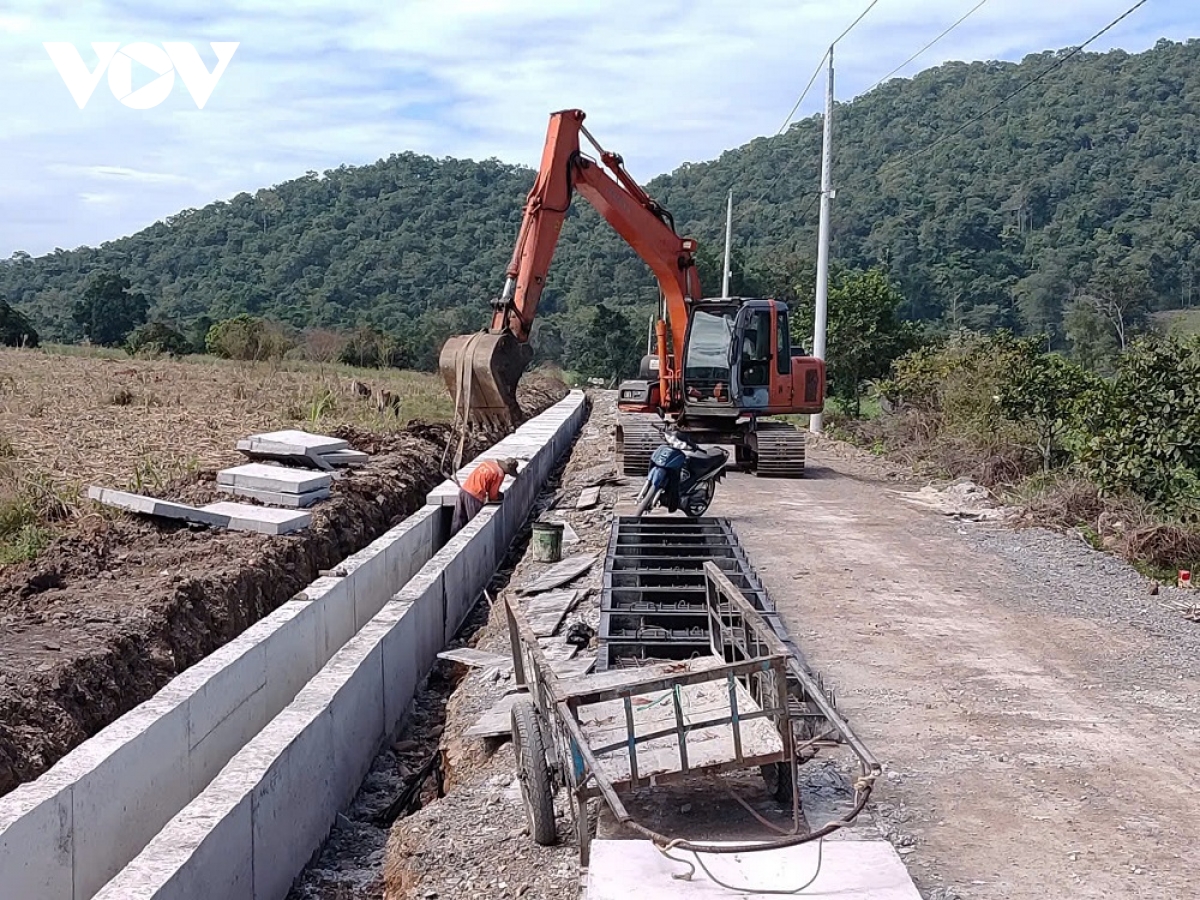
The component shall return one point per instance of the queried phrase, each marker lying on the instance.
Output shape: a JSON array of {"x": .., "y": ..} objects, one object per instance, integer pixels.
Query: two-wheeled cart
[{"x": 611, "y": 732}]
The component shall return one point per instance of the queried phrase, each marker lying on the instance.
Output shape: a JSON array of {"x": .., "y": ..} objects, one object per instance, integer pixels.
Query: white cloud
[{"x": 662, "y": 81}]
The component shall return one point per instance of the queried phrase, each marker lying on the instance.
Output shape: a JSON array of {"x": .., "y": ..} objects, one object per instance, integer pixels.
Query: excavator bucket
[{"x": 481, "y": 372}]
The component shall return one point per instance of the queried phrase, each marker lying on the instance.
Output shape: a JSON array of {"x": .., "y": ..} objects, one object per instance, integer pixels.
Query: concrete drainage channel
[{"x": 227, "y": 781}]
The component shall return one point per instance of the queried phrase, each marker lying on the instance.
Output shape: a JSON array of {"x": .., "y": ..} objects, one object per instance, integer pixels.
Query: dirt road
[{"x": 1034, "y": 706}]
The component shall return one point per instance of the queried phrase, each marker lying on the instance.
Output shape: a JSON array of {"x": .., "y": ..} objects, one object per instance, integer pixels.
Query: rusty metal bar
[
  {"x": 737, "y": 727},
  {"x": 676, "y": 694},
  {"x": 631, "y": 733}
]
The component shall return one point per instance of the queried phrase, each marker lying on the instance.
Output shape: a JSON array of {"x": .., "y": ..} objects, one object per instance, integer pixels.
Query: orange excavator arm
[{"x": 492, "y": 362}]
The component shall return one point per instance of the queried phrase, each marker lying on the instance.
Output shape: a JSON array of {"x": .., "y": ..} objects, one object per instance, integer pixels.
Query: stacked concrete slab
[
  {"x": 275, "y": 485},
  {"x": 328, "y": 673},
  {"x": 251, "y": 831},
  {"x": 302, "y": 447}
]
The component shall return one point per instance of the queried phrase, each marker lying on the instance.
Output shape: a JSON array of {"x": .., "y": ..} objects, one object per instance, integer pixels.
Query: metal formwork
[{"x": 653, "y": 605}]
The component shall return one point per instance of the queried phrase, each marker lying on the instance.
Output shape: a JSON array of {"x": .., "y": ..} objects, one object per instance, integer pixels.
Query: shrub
[
  {"x": 1141, "y": 431},
  {"x": 322, "y": 345},
  {"x": 15, "y": 328},
  {"x": 247, "y": 337},
  {"x": 372, "y": 349},
  {"x": 156, "y": 338}
]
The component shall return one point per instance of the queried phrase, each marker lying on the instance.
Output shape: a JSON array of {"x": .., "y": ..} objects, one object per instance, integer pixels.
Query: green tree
[
  {"x": 864, "y": 333},
  {"x": 611, "y": 347},
  {"x": 110, "y": 310},
  {"x": 15, "y": 328},
  {"x": 197, "y": 334},
  {"x": 156, "y": 337},
  {"x": 1043, "y": 390},
  {"x": 1123, "y": 302},
  {"x": 1093, "y": 343}
]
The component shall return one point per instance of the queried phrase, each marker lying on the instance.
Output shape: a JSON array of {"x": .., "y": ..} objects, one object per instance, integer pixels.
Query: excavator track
[
  {"x": 639, "y": 439},
  {"x": 780, "y": 450}
]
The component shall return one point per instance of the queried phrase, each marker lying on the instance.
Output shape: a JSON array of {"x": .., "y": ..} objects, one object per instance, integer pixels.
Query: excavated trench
[
  {"x": 114, "y": 610},
  {"x": 427, "y": 758}
]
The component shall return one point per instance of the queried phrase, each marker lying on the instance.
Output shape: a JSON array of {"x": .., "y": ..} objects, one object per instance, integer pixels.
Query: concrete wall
[
  {"x": 67, "y": 833},
  {"x": 252, "y": 830}
]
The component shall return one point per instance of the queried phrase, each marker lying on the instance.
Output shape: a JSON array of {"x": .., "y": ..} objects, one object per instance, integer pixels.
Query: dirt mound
[
  {"x": 108, "y": 614},
  {"x": 540, "y": 389}
]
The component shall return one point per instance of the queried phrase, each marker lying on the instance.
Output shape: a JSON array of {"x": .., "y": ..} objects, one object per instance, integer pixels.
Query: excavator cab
[
  {"x": 738, "y": 359},
  {"x": 728, "y": 356}
]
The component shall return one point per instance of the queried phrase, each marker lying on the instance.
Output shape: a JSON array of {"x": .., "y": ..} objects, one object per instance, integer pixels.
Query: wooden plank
[
  {"x": 497, "y": 721},
  {"x": 615, "y": 678},
  {"x": 604, "y": 724},
  {"x": 575, "y": 667},
  {"x": 588, "y": 498},
  {"x": 557, "y": 653},
  {"x": 561, "y": 573},
  {"x": 545, "y": 612},
  {"x": 479, "y": 659}
]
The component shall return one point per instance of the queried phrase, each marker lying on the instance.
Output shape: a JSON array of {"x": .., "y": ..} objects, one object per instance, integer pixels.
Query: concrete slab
[
  {"x": 346, "y": 458},
  {"x": 497, "y": 720},
  {"x": 858, "y": 870},
  {"x": 36, "y": 839},
  {"x": 150, "y": 506},
  {"x": 276, "y": 498},
  {"x": 291, "y": 442},
  {"x": 262, "y": 519},
  {"x": 263, "y": 477}
]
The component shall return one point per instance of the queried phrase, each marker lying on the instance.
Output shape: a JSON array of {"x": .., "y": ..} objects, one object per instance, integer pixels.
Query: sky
[{"x": 312, "y": 85}]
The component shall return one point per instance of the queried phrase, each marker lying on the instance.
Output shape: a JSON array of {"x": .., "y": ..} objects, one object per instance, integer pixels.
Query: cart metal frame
[{"x": 751, "y": 657}]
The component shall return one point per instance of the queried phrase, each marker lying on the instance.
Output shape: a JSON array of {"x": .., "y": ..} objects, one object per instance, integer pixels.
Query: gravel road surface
[{"x": 1034, "y": 705}]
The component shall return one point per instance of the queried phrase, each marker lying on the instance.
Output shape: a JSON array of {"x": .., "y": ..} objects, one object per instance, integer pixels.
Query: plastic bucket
[{"x": 547, "y": 541}]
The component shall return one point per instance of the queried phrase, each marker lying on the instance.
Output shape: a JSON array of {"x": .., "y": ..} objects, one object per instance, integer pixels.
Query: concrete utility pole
[
  {"x": 822, "y": 306},
  {"x": 728, "y": 242}
]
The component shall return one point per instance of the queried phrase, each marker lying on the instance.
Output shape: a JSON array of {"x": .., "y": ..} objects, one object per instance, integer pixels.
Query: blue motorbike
[{"x": 683, "y": 476}]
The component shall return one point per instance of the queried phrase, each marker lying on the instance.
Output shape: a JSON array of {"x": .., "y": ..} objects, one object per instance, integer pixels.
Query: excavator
[{"x": 717, "y": 367}]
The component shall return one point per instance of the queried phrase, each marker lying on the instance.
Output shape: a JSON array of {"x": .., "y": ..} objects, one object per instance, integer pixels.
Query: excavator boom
[{"x": 482, "y": 370}]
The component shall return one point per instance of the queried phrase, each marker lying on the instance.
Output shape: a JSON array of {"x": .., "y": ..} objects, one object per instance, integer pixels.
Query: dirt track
[{"x": 1034, "y": 705}]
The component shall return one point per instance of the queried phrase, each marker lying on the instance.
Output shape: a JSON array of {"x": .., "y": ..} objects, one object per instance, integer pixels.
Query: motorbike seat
[{"x": 706, "y": 461}]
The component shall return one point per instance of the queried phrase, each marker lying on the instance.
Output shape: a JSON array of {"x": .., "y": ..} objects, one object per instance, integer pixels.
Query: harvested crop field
[
  {"x": 113, "y": 606},
  {"x": 127, "y": 421}
]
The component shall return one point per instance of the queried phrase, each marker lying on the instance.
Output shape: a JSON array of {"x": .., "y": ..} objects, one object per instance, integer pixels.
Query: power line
[
  {"x": 852, "y": 25},
  {"x": 804, "y": 93},
  {"x": 821, "y": 64},
  {"x": 1028, "y": 84},
  {"x": 970, "y": 13},
  {"x": 808, "y": 87}
]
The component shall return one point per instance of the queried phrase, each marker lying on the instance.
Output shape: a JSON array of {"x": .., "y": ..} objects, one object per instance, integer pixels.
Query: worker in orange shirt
[{"x": 481, "y": 486}]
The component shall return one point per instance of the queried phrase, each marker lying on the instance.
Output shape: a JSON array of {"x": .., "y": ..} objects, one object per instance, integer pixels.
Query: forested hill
[{"x": 1089, "y": 174}]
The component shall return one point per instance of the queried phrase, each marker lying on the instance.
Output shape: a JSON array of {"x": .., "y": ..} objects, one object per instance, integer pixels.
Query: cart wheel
[
  {"x": 778, "y": 777},
  {"x": 533, "y": 773}
]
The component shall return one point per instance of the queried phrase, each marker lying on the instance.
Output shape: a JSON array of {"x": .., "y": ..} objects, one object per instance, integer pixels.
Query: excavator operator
[{"x": 480, "y": 487}]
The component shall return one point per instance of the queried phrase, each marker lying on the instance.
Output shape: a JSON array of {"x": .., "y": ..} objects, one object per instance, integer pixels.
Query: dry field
[
  {"x": 69, "y": 419},
  {"x": 99, "y": 610}
]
